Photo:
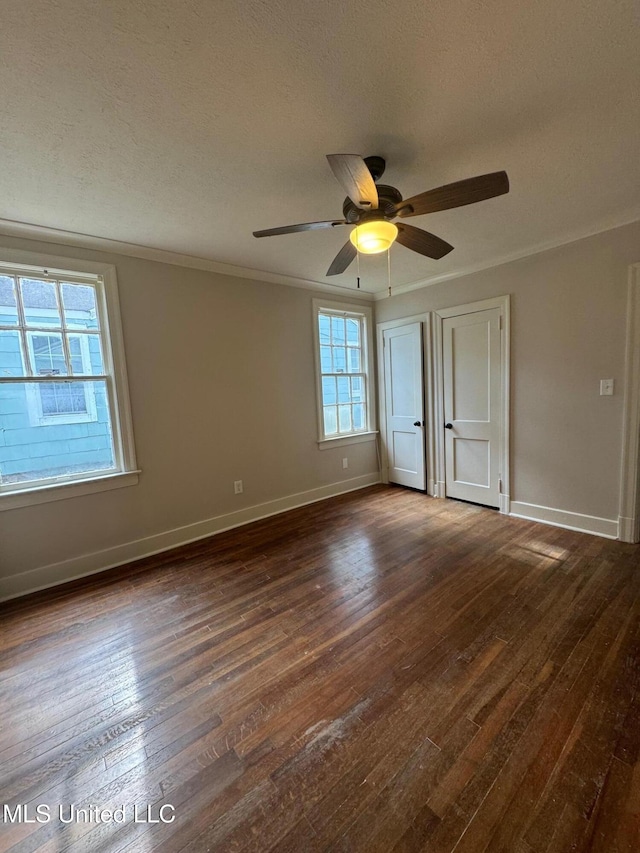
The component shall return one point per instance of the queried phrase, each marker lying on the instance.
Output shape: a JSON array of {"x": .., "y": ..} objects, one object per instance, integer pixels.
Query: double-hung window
[
  {"x": 64, "y": 410},
  {"x": 343, "y": 347}
]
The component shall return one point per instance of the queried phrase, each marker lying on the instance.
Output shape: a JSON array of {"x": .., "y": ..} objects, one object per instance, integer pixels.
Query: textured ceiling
[{"x": 187, "y": 125}]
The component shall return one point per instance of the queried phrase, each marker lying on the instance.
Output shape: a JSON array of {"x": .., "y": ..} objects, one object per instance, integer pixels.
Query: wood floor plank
[
  {"x": 536, "y": 749},
  {"x": 382, "y": 671}
]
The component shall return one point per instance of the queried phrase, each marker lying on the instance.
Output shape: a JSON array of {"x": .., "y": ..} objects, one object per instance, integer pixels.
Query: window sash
[{"x": 28, "y": 331}]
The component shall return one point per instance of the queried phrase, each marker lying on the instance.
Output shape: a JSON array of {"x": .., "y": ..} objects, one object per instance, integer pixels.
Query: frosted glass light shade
[{"x": 373, "y": 237}]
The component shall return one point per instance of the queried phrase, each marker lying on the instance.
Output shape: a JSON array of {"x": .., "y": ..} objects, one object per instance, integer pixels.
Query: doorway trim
[
  {"x": 437, "y": 392},
  {"x": 427, "y": 372},
  {"x": 629, "y": 512}
]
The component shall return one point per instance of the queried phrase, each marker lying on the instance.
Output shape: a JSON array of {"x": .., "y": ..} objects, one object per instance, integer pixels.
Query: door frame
[
  {"x": 629, "y": 511},
  {"x": 427, "y": 371},
  {"x": 437, "y": 393}
]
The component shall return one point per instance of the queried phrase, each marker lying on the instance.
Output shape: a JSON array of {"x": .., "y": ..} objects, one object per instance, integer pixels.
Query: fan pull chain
[
  {"x": 358, "y": 263},
  {"x": 389, "y": 270}
]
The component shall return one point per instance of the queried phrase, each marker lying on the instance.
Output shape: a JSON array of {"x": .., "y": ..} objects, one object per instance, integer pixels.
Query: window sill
[
  {"x": 342, "y": 441},
  {"x": 71, "y": 489}
]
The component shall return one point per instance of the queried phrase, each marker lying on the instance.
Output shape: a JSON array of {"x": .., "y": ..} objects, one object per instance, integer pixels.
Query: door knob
[
  {"x": 417, "y": 423},
  {"x": 448, "y": 426}
]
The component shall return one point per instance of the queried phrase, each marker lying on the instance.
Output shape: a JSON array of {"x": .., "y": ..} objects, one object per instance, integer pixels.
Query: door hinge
[{"x": 501, "y": 321}]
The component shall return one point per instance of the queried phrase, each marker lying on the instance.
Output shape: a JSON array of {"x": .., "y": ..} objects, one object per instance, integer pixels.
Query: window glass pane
[
  {"x": 344, "y": 393},
  {"x": 8, "y": 307},
  {"x": 329, "y": 390},
  {"x": 324, "y": 325},
  {"x": 344, "y": 418},
  {"x": 339, "y": 360},
  {"x": 353, "y": 332},
  {"x": 358, "y": 416},
  {"x": 62, "y": 398},
  {"x": 79, "y": 303},
  {"x": 47, "y": 354},
  {"x": 75, "y": 352},
  {"x": 337, "y": 330},
  {"x": 354, "y": 360},
  {"x": 53, "y": 433},
  {"x": 11, "y": 360},
  {"x": 325, "y": 359},
  {"x": 40, "y": 303},
  {"x": 330, "y": 420},
  {"x": 86, "y": 355},
  {"x": 357, "y": 389}
]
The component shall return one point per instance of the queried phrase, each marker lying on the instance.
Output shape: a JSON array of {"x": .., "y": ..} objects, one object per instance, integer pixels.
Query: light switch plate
[{"x": 606, "y": 387}]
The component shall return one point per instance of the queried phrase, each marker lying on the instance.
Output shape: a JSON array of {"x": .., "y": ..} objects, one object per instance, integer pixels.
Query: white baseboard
[
  {"x": 629, "y": 529},
  {"x": 570, "y": 520},
  {"x": 99, "y": 561}
]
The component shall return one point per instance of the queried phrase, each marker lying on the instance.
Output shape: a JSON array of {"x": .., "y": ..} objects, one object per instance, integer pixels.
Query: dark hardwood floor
[{"x": 378, "y": 672}]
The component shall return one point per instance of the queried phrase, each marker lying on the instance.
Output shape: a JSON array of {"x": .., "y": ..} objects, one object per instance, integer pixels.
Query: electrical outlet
[
  {"x": 606, "y": 387},
  {"x": 345, "y": 462},
  {"x": 237, "y": 487}
]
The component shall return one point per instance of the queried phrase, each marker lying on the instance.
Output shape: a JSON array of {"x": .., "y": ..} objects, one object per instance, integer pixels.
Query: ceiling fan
[{"x": 371, "y": 207}]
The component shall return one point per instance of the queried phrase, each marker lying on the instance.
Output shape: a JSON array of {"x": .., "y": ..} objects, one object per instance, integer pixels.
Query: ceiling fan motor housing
[{"x": 388, "y": 197}]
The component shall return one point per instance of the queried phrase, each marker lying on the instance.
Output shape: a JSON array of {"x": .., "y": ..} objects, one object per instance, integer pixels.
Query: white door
[
  {"x": 404, "y": 399},
  {"x": 472, "y": 406}
]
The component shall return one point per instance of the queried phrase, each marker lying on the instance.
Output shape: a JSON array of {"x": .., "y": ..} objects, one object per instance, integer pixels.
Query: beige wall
[
  {"x": 568, "y": 332},
  {"x": 221, "y": 375}
]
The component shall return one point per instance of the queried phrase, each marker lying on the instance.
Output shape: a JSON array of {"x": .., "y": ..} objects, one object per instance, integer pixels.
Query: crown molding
[
  {"x": 504, "y": 259},
  {"x": 28, "y": 231}
]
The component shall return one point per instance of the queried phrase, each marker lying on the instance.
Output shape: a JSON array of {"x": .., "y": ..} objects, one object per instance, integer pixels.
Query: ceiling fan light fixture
[{"x": 374, "y": 236}]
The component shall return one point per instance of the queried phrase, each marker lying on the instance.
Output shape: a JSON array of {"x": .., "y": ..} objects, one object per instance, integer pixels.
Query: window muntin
[
  {"x": 342, "y": 344},
  {"x": 55, "y": 425}
]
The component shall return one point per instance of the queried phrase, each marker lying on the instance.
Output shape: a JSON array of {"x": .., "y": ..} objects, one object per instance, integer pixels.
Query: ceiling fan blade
[
  {"x": 455, "y": 195},
  {"x": 303, "y": 226},
  {"x": 422, "y": 241},
  {"x": 342, "y": 260},
  {"x": 355, "y": 178}
]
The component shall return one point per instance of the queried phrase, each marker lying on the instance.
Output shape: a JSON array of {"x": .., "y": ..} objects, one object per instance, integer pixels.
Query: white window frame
[
  {"x": 365, "y": 314},
  {"x": 125, "y": 471}
]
